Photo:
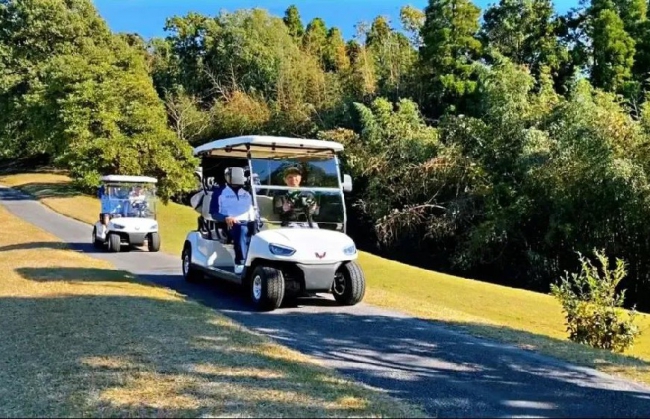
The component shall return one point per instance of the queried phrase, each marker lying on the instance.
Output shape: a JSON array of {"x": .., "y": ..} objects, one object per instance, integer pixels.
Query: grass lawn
[
  {"x": 530, "y": 320},
  {"x": 79, "y": 338}
]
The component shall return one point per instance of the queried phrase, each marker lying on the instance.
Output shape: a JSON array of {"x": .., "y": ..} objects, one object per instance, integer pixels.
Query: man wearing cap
[
  {"x": 284, "y": 207},
  {"x": 233, "y": 205}
]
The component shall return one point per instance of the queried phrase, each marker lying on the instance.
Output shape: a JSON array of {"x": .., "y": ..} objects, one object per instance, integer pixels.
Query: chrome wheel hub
[
  {"x": 186, "y": 264},
  {"x": 257, "y": 287}
]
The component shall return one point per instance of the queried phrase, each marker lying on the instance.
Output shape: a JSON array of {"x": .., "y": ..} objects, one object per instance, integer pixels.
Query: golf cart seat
[{"x": 213, "y": 229}]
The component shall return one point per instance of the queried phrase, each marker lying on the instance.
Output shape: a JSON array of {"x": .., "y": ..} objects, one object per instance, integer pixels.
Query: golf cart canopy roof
[
  {"x": 262, "y": 146},
  {"x": 128, "y": 179}
]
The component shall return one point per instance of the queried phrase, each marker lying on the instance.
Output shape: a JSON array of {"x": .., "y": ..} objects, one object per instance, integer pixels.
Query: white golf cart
[
  {"x": 128, "y": 213},
  {"x": 298, "y": 245}
]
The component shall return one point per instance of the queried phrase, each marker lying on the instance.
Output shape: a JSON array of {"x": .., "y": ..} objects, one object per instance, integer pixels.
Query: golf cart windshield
[
  {"x": 128, "y": 199},
  {"x": 314, "y": 172},
  {"x": 293, "y": 192}
]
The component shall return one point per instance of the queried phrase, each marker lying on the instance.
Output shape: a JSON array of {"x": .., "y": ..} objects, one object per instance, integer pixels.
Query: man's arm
[{"x": 216, "y": 206}]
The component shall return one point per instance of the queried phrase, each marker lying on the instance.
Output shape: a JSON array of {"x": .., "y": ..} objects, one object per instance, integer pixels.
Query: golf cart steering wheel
[
  {"x": 140, "y": 206},
  {"x": 300, "y": 202}
]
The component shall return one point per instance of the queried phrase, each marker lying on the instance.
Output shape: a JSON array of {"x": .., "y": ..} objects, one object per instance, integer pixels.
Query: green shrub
[{"x": 593, "y": 308}]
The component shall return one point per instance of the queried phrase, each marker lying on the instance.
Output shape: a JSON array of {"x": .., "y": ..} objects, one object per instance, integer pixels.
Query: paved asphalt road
[{"x": 448, "y": 373}]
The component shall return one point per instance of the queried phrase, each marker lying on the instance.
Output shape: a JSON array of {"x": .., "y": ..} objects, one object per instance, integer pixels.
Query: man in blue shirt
[{"x": 233, "y": 205}]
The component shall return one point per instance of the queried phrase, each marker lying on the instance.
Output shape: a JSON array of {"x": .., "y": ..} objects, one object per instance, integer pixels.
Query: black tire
[
  {"x": 114, "y": 242},
  {"x": 153, "y": 242},
  {"x": 349, "y": 284},
  {"x": 97, "y": 244},
  {"x": 190, "y": 273},
  {"x": 266, "y": 287}
]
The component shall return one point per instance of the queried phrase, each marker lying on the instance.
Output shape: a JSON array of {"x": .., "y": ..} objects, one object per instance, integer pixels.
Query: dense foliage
[{"x": 493, "y": 148}]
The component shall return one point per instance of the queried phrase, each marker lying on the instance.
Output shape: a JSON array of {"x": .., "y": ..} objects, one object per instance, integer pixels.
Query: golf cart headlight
[
  {"x": 350, "y": 250},
  {"x": 280, "y": 250},
  {"x": 118, "y": 226}
]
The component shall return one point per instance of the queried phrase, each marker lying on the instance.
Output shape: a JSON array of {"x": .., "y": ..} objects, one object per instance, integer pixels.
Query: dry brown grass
[{"x": 79, "y": 338}]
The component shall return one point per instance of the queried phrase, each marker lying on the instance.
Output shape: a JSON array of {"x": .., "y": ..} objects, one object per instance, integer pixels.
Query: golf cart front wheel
[
  {"x": 153, "y": 242},
  {"x": 349, "y": 285},
  {"x": 96, "y": 242},
  {"x": 114, "y": 242},
  {"x": 189, "y": 272},
  {"x": 266, "y": 288}
]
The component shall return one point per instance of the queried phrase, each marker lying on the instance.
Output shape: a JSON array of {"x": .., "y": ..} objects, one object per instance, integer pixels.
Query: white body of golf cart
[
  {"x": 128, "y": 213},
  {"x": 285, "y": 259}
]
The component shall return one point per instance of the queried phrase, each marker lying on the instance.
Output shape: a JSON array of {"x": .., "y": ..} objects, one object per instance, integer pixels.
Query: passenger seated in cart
[
  {"x": 233, "y": 205},
  {"x": 284, "y": 205}
]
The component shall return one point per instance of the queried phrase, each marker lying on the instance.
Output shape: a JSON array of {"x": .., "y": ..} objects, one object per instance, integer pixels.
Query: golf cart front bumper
[
  {"x": 318, "y": 277},
  {"x": 136, "y": 239}
]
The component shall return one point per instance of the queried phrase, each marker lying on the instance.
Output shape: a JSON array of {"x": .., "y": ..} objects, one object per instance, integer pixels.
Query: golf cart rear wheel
[
  {"x": 349, "y": 285},
  {"x": 114, "y": 242},
  {"x": 266, "y": 288},
  {"x": 190, "y": 273},
  {"x": 153, "y": 242},
  {"x": 96, "y": 242}
]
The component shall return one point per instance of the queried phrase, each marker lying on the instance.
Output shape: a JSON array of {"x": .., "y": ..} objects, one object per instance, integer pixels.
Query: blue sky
[{"x": 147, "y": 17}]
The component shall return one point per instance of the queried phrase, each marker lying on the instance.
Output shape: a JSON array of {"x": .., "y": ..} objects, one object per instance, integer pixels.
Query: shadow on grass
[
  {"x": 451, "y": 374},
  {"x": 130, "y": 356},
  {"x": 43, "y": 190},
  {"x": 77, "y": 246}
]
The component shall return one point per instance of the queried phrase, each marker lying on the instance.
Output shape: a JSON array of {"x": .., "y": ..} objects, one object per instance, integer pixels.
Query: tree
[
  {"x": 315, "y": 39},
  {"x": 526, "y": 31},
  {"x": 412, "y": 20},
  {"x": 87, "y": 99},
  {"x": 335, "y": 57},
  {"x": 393, "y": 56},
  {"x": 294, "y": 22},
  {"x": 450, "y": 47},
  {"x": 191, "y": 36},
  {"x": 613, "y": 52}
]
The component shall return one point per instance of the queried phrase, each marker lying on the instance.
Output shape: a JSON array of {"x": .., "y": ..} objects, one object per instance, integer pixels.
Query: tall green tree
[
  {"x": 450, "y": 47},
  {"x": 315, "y": 38},
  {"x": 613, "y": 52},
  {"x": 83, "y": 96},
  {"x": 393, "y": 56},
  {"x": 294, "y": 22},
  {"x": 190, "y": 37},
  {"x": 526, "y": 31},
  {"x": 335, "y": 56}
]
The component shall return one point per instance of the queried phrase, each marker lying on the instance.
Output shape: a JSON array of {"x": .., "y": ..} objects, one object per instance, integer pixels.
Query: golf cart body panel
[
  {"x": 128, "y": 212},
  {"x": 310, "y": 249}
]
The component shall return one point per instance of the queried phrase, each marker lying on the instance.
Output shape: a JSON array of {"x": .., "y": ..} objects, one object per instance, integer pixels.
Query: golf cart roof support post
[
  {"x": 252, "y": 183},
  {"x": 345, "y": 212}
]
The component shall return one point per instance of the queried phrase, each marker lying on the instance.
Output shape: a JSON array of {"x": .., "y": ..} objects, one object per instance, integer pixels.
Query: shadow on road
[
  {"x": 78, "y": 246},
  {"x": 451, "y": 374}
]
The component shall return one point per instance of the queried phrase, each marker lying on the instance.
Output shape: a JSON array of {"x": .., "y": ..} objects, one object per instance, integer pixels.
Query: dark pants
[{"x": 240, "y": 237}]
